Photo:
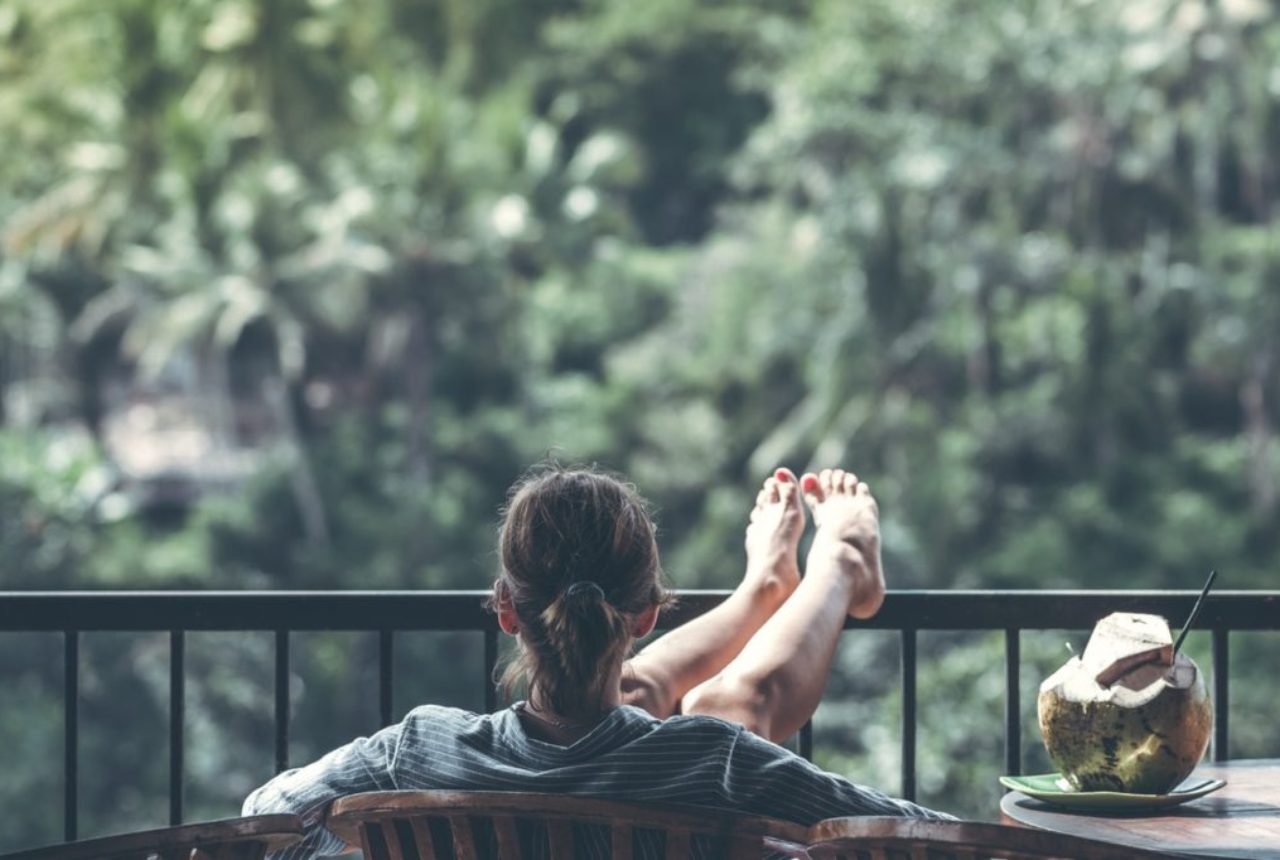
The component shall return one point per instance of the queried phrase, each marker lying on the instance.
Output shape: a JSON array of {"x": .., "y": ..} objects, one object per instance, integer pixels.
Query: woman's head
[{"x": 579, "y": 566}]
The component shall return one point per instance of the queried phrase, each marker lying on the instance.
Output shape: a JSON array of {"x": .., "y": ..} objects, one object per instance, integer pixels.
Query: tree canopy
[{"x": 292, "y": 290}]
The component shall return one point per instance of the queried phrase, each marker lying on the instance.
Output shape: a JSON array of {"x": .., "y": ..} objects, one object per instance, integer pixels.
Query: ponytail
[{"x": 585, "y": 632}]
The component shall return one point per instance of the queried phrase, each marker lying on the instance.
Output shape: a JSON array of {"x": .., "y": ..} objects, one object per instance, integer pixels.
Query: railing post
[
  {"x": 71, "y": 730},
  {"x": 177, "y": 721},
  {"x": 490, "y": 667},
  {"x": 282, "y": 700},
  {"x": 1012, "y": 702},
  {"x": 909, "y": 714},
  {"x": 806, "y": 740},
  {"x": 1221, "y": 693},
  {"x": 386, "y": 676}
]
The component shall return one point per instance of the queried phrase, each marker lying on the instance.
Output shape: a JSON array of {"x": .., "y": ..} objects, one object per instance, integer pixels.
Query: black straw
[{"x": 1195, "y": 610}]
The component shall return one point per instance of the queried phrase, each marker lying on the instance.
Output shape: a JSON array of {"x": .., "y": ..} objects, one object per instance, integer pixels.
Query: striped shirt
[{"x": 629, "y": 756}]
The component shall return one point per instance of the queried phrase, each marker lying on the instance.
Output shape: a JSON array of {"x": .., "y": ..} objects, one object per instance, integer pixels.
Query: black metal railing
[{"x": 386, "y": 612}]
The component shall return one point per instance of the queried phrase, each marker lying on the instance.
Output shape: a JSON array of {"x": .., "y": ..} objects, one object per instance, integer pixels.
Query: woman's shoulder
[
  {"x": 443, "y": 712},
  {"x": 435, "y": 720},
  {"x": 696, "y": 724},
  {"x": 744, "y": 743}
]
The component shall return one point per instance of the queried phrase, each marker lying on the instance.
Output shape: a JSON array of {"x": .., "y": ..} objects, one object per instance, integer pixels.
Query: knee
[
  {"x": 648, "y": 694},
  {"x": 736, "y": 699}
]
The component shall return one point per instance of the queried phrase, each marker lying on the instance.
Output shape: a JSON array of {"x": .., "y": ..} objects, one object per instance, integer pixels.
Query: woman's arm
[
  {"x": 765, "y": 779},
  {"x": 658, "y": 677},
  {"x": 365, "y": 764}
]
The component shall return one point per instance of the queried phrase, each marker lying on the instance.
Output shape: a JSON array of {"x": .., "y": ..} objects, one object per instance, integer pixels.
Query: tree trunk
[
  {"x": 1258, "y": 429},
  {"x": 418, "y": 370},
  {"x": 302, "y": 479}
]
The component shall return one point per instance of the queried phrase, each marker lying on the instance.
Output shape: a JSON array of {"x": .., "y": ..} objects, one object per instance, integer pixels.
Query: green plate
[{"x": 1053, "y": 788}]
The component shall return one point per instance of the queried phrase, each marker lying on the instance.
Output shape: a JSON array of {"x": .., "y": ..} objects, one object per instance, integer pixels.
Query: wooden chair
[
  {"x": 912, "y": 839},
  {"x": 246, "y": 838},
  {"x": 438, "y": 825}
]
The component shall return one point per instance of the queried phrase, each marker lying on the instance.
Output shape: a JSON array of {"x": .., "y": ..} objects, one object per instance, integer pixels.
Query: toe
[
  {"x": 865, "y": 492},
  {"x": 788, "y": 487},
  {"x": 824, "y": 481},
  {"x": 770, "y": 491},
  {"x": 812, "y": 489},
  {"x": 792, "y": 506},
  {"x": 851, "y": 483}
]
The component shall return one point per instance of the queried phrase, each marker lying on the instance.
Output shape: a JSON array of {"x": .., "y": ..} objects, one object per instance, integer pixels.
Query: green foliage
[
  {"x": 31, "y": 726},
  {"x": 50, "y": 494},
  {"x": 1013, "y": 262}
]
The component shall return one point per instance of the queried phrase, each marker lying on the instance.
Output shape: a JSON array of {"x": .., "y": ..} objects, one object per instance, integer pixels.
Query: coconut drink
[{"x": 1129, "y": 714}]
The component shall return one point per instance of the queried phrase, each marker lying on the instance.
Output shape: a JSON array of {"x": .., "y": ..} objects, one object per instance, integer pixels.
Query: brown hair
[{"x": 578, "y": 555}]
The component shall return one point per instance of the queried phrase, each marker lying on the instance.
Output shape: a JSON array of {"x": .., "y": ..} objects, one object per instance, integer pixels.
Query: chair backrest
[
  {"x": 912, "y": 839},
  {"x": 246, "y": 838},
  {"x": 438, "y": 825}
]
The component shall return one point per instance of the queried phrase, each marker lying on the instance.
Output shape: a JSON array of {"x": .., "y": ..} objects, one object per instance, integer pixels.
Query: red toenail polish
[{"x": 782, "y": 476}]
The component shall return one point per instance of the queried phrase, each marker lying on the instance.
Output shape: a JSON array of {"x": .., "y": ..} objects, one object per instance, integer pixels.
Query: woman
[{"x": 691, "y": 719}]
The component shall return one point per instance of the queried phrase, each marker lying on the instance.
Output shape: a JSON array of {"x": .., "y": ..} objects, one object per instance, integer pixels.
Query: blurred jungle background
[{"x": 292, "y": 290}]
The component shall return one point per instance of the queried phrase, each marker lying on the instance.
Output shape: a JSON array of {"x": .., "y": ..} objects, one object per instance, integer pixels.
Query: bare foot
[
  {"x": 773, "y": 534},
  {"x": 848, "y": 536}
]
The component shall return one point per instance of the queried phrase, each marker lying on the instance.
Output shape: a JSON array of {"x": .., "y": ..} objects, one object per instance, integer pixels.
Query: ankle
[
  {"x": 854, "y": 572},
  {"x": 770, "y": 580},
  {"x": 844, "y": 555}
]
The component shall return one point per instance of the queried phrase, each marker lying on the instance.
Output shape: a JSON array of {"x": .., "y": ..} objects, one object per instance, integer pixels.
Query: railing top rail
[{"x": 464, "y": 610}]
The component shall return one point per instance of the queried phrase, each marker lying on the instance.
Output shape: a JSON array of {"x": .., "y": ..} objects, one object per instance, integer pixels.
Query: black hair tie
[{"x": 585, "y": 588}]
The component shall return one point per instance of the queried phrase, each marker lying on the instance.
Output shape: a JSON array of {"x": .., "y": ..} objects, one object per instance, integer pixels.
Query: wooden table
[{"x": 1242, "y": 819}]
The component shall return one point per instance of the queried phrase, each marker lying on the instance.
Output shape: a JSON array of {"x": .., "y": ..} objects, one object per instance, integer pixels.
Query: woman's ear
[
  {"x": 644, "y": 622},
  {"x": 507, "y": 618}
]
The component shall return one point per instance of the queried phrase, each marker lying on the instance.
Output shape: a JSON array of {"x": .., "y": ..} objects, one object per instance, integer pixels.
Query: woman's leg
[
  {"x": 774, "y": 684},
  {"x": 659, "y": 676}
]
